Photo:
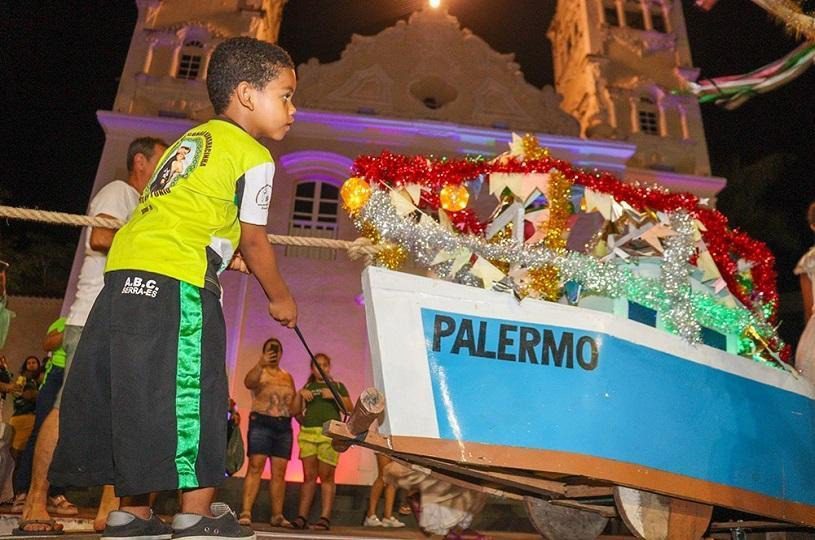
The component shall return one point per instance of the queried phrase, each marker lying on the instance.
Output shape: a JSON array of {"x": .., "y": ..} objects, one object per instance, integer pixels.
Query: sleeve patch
[{"x": 256, "y": 194}]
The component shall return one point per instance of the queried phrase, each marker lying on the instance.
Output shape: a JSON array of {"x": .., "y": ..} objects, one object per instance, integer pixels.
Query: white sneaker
[
  {"x": 372, "y": 521},
  {"x": 392, "y": 522}
]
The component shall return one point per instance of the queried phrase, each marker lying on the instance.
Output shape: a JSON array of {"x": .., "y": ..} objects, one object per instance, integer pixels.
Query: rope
[{"x": 357, "y": 249}]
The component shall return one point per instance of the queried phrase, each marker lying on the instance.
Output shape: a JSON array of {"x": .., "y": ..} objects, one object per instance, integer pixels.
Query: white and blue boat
[{"x": 536, "y": 394}]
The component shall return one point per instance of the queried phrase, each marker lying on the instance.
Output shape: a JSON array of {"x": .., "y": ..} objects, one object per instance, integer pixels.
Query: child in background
[
  {"x": 379, "y": 486},
  {"x": 318, "y": 457},
  {"x": 25, "y": 403}
]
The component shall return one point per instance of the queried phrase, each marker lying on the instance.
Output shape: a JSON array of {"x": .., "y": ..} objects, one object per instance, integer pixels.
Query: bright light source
[{"x": 435, "y": 3}]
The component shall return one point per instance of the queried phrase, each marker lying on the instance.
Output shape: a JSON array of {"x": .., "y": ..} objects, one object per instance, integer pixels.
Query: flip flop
[
  {"x": 53, "y": 530},
  {"x": 299, "y": 522},
  {"x": 245, "y": 519},
  {"x": 323, "y": 524}
]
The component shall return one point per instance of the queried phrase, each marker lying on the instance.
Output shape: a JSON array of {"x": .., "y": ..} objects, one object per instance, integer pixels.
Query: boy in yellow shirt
[{"x": 145, "y": 402}]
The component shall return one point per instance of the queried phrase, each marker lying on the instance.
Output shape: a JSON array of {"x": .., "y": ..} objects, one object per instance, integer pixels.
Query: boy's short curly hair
[{"x": 242, "y": 59}]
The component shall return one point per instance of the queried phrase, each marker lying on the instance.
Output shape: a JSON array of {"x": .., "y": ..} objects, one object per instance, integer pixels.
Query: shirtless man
[{"x": 270, "y": 432}]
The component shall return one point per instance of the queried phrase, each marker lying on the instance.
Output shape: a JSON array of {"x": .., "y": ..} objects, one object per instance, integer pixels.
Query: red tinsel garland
[{"x": 726, "y": 245}]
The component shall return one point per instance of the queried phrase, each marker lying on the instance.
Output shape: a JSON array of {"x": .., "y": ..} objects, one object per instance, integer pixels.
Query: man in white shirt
[{"x": 116, "y": 200}]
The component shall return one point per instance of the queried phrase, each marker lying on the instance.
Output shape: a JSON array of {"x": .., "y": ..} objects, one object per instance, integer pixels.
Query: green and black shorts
[{"x": 144, "y": 406}]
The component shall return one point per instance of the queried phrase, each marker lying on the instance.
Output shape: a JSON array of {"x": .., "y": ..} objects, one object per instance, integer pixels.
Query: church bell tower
[
  {"x": 165, "y": 70},
  {"x": 620, "y": 66}
]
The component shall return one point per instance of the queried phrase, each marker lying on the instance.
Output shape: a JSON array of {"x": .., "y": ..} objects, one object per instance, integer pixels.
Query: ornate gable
[{"x": 429, "y": 67}]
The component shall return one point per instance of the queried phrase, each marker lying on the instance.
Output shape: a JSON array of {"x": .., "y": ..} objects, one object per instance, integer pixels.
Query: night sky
[{"x": 61, "y": 62}]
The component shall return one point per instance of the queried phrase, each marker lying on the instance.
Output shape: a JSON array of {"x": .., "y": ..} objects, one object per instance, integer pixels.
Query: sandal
[
  {"x": 323, "y": 524},
  {"x": 281, "y": 521},
  {"x": 54, "y": 528},
  {"x": 404, "y": 509},
  {"x": 245, "y": 519},
  {"x": 299, "y": 522},
  {"x": 61, "y": 506}
]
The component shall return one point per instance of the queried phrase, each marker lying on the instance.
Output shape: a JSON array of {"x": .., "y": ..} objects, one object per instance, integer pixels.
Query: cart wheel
[
  {"x": 659, "y": 517},
  {"x": 561, "y": 523}
]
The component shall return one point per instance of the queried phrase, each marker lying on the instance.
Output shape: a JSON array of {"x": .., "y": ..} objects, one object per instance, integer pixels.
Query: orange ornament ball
[
  {"x": 355, "y": 192},
  {"x": 454, "y": 197}
]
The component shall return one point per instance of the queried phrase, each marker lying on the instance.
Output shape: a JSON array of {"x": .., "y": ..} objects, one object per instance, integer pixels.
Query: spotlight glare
[{"x": 434, "y": 3}]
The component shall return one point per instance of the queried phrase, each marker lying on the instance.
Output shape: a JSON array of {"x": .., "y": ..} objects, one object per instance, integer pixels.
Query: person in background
[
  {"x": 270, "y": 432},
  {"x": 25, "y": 403},
  {"x": 805, "y": 270},
  {"x": 6, "y": 384},
  {"x": 377, "y": 488},
  {"x": 52, "y": 382},
  {"x": 318, "y": 457}
]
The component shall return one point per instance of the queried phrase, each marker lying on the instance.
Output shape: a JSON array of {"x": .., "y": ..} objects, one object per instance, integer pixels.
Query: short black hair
[
  {"x": 142, "y": 145},
  {"x": 242, "y": 59}
]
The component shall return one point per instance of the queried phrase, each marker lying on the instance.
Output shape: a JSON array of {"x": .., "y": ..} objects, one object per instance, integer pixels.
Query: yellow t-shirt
[{"x": 186, "y": 225}]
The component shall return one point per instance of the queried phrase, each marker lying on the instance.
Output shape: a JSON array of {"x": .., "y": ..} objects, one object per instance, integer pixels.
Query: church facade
[{"x": 447, "y": 94}]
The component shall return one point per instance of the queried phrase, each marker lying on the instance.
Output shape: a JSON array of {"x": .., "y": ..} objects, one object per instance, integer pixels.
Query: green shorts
[{"x": 312, "y": 442}]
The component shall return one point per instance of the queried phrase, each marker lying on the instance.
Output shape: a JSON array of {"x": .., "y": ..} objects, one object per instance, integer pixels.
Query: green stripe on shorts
[{"x": 188, "y": 385}]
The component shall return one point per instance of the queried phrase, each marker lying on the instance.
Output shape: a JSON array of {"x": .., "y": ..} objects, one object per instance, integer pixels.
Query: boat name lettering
[{"x": 515, "y": 343}]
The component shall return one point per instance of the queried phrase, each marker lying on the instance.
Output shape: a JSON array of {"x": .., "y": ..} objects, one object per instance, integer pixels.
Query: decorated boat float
[{"x": 598, "y": 349}]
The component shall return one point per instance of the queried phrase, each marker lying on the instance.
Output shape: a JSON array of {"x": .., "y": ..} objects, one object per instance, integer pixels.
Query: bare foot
[{"x": 108, "y": 504}]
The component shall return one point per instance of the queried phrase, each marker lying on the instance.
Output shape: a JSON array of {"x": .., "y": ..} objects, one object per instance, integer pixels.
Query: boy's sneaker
[
  {"x": 372, "y": 521},
  {"x": 392, "y": 523},
  {"x": 224, "y": 525},
  {"x": 122, "y": 525}
]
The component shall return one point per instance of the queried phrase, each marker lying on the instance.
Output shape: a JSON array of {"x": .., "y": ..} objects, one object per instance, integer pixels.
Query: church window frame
[
  {"x": 314, "y": 213},
  {"x": 190, "y": 60},
  {"x": 648, "y": 117}
]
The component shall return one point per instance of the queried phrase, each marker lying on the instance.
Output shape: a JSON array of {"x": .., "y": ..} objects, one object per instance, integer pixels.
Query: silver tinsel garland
[
  {"x": 671, "y": 296},
  {"x": 679, "y": 248}
]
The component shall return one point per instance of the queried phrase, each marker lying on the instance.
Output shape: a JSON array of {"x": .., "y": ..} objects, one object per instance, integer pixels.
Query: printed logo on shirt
[
  {"x": 184, "y": 157},
  {"x": 263, "y": 197},
  {"x": 138, "y": 286}
]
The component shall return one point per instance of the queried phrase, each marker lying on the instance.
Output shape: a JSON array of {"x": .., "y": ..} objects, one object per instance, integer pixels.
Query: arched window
[
  {"x": 190, "y": 60},
  {"x": 648, "y": 116},
  {"x": 316, "y": 203}
]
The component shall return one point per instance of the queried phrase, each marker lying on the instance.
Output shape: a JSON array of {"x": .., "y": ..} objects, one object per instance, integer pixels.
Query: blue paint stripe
[{"x": 639, "y": 405}]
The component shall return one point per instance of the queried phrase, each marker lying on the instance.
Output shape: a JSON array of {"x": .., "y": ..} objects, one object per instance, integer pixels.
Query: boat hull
[{"x": 476, "y": 377}]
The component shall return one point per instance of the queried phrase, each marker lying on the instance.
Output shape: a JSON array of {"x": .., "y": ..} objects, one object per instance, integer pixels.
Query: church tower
[
  {"x": 618, "y": 65},
  {"x": 165, "y": 70}
]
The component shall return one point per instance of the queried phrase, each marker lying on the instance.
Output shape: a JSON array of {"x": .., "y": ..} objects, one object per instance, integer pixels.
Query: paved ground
[{"x": 81, "y": 527}]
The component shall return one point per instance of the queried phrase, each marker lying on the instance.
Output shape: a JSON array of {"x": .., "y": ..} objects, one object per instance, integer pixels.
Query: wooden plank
[
  {"x": 754, "y": 525},
  {"x": 600, "y": 470},
  {"x": 458, "y": 481},
  {"x": 580, "y": 491}
]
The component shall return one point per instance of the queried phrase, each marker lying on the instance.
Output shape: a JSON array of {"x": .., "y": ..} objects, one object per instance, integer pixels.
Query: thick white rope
[{"x": 359, "y": 248}]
